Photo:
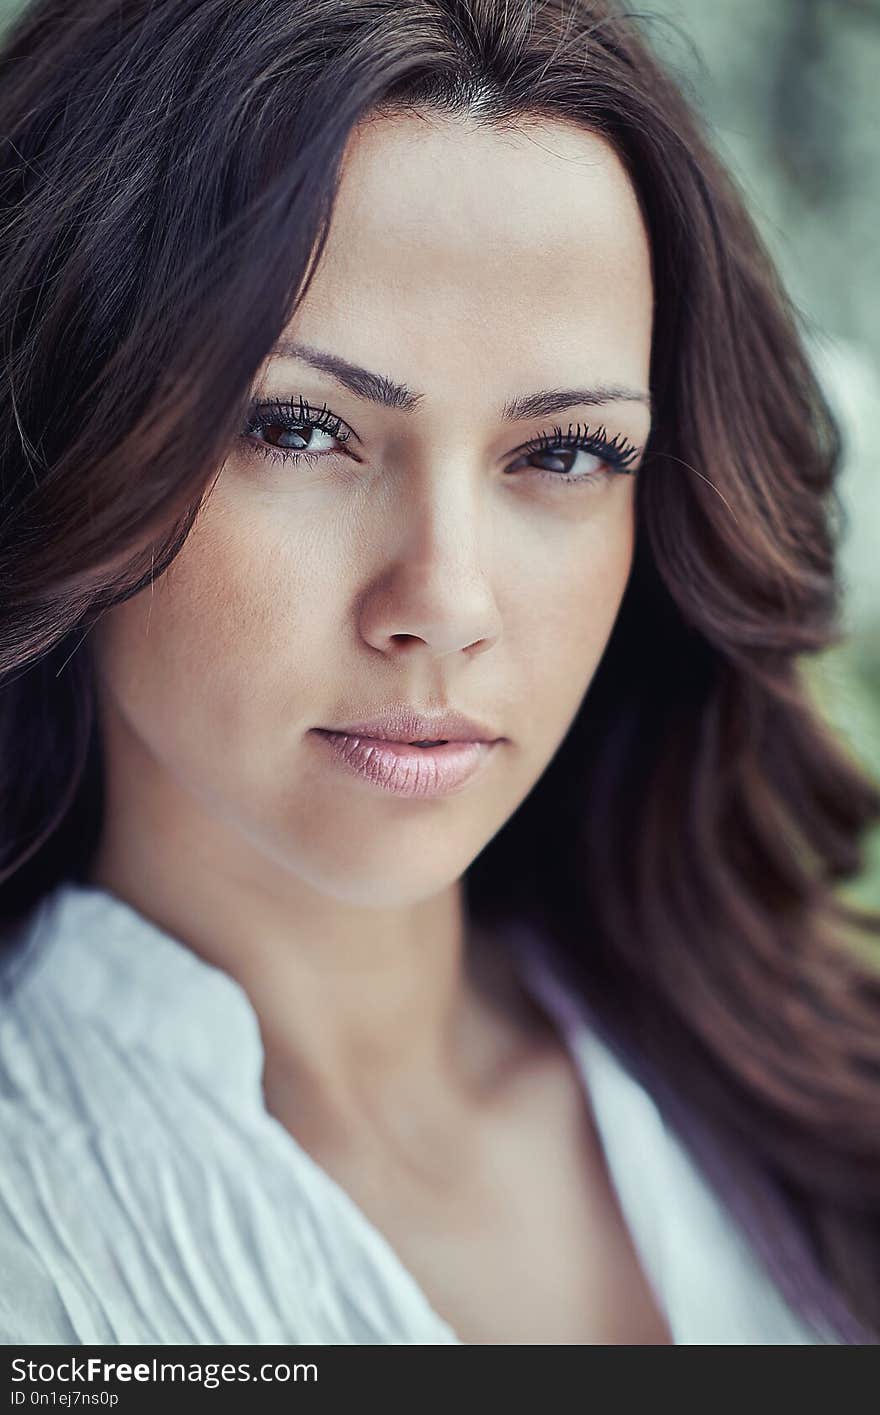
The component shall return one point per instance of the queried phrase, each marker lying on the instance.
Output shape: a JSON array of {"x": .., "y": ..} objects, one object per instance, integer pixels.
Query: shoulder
[
  {"x": 33, "y": 1309},
  {"x": 108, "y": 1234},
  {"x": 143, "y": 1208},
  {"x": 38, "y": 1302}
]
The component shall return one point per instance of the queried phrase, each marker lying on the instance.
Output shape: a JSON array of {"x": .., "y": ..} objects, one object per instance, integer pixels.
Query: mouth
[{"x": 422, "y": 767}]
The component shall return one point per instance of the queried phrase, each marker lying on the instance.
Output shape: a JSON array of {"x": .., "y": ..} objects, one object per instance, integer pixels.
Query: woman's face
[{"x": 427, "y": 559}]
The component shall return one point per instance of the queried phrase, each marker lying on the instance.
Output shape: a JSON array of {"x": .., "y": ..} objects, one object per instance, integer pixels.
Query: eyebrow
[{"x": 376, "y": 388}]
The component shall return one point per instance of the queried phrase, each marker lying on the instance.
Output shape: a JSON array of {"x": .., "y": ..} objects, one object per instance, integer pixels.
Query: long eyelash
[
  {"x": 294, "y": 417},
  {"x": 617, "y": 452}
]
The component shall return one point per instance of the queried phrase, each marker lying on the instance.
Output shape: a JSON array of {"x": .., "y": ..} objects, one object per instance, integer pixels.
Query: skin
[{"x": 410, "y": 564}]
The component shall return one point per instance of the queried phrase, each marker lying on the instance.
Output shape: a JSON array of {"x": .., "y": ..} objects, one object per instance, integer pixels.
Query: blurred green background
[{"x": 791, "y": 91}]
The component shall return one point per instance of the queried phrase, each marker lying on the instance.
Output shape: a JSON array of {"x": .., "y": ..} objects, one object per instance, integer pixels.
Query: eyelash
[{"x": 617, "y": 453}]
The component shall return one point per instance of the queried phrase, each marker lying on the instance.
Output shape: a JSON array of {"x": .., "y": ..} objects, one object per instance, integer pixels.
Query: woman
[{"x": 379, "y": 376}]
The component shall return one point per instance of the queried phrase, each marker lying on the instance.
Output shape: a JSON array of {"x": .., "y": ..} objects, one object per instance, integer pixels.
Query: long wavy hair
[{"x": 168, "y": 171}]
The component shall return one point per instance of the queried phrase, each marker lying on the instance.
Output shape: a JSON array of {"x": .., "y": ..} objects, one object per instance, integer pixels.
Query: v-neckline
[
  {"x": 237, "y": 1068},
  {"x": 532, "y": 966}
]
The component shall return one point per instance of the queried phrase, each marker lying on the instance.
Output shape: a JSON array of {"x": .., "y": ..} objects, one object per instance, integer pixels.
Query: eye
[
  {"x": 288, "y": 432},
  {"x": 562, "y": 450},
  {"x": 291, "y": 433}
]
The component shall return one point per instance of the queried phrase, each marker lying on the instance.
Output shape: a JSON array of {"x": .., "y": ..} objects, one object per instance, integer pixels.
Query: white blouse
[{"x": 147, "y": 1195}]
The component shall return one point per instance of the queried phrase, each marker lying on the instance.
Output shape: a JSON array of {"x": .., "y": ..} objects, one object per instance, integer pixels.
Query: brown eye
[
  {"x": 284, "y": 432},
  {"x": 277, "y": 434},
  {"x": 561, "y": 450}
]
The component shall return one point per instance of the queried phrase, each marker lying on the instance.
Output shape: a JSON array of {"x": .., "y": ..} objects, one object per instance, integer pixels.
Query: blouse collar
[{"x": 99, "y": 958}]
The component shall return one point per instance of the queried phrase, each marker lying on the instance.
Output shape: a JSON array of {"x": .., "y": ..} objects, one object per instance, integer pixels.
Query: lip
[
  {"x": 404, "y": 770},
  {"x": 401, "y": 723}
]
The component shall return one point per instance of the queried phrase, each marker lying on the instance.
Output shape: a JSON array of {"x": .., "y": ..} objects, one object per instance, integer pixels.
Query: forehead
[{"x": 451, "y": 238}]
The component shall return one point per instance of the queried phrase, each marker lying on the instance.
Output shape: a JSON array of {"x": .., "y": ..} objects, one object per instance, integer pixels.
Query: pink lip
[{"x": 405, "y": 770}]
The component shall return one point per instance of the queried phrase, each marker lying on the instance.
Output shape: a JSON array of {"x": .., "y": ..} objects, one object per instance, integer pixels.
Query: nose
[{"x": 434, "y": 590}]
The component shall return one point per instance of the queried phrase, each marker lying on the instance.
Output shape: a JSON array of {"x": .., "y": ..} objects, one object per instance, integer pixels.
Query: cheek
[
  {"x": 571, "y": 609},
  {"x": 222, "y": 643}
]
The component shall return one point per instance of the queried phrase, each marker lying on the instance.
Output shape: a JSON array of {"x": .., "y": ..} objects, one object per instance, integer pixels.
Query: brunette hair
[{"x": 167, "y": 177}]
